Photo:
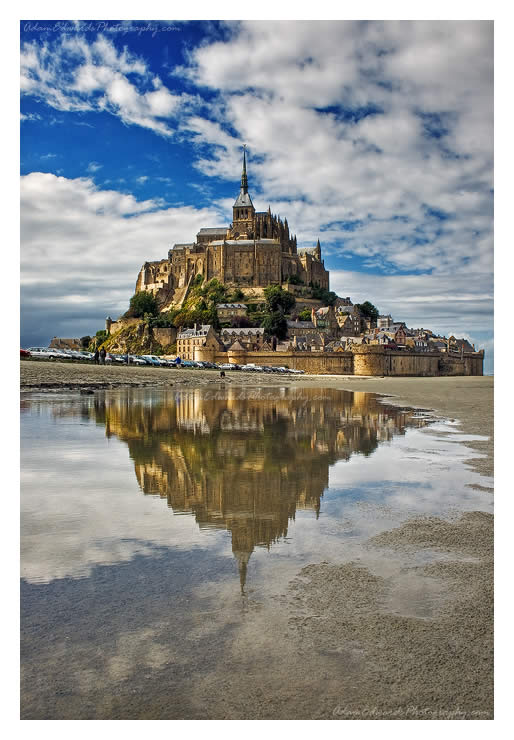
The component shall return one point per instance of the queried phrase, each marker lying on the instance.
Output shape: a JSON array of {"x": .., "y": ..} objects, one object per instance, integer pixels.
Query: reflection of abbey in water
[{"x": 245, "y": 461}]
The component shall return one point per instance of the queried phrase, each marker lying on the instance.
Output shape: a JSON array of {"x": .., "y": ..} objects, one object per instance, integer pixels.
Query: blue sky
[{"x": 376, "y": 137}]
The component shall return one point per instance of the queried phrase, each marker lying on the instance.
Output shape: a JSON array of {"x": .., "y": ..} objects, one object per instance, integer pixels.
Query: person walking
[
  {"x": 102, "y": 356},
  {"x": 97, "y": 355}
]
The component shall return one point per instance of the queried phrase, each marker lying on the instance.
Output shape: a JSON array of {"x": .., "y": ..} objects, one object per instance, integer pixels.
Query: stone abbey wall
[{"x": 368, "y": 360}]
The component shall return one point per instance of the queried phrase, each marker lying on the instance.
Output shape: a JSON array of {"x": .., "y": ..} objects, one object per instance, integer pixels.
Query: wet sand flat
[
  {"x": 467, "y": 399},
  {"x": 331, "y": 646}
]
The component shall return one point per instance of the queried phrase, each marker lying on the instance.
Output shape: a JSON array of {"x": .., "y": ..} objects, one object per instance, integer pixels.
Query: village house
[
  {"x": 199, "y": 336},
  {"x": 382, "y": 337},
  {"x": 459, "y": 345},
  {"x": 228, "y": 311},
  {"x": 349, "y": 320},
  {"x": 437, "y": 344},
  {"x": 384, "y": 322},
  {"x": 400, "y": 336},
  {"x": 311, "y": 343},
  {"x": 324, "y": 319},
  {"x": 250, "y": 339},
  {"x": 300, "y": 328},
  {"x": 417, "y": 343}
]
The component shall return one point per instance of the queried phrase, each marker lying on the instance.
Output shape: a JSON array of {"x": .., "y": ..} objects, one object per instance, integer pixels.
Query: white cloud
[
  {"x": 388, "y": 124},
  {"x": 82, "y": 248},
  {"x": 72, "y": 75},
  {"x": 29, "y": 117},
  {"x": 94, "y": 167}
]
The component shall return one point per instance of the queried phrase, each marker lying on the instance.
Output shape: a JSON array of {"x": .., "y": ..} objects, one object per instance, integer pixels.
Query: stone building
[
  {"x": 350, "y": 320},
  {"x": 198, "y": 336},
  {"x": 228, "y": 311},
  {"x": 324, "y": 319},
  {"x": 256, "y": 250},
  {"x": 250, "y": 338},
  {"x": 300, "y": 329},
  {"x": 384, "y": 321}
]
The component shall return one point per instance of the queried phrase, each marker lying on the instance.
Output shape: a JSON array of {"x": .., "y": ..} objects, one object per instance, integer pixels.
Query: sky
[{"x": 374, "y": 136}]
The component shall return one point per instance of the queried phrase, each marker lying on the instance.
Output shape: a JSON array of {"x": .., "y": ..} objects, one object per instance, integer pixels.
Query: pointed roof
[{"x": 243, "y": 199}]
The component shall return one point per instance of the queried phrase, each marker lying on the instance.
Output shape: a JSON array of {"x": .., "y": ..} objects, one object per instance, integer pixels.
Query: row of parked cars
[{"x": 49, "y": 353}]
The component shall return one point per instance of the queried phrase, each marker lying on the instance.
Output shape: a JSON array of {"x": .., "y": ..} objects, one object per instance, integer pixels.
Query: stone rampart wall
[
  {"x": 123, "y": 323},
  {"x": 165, "y": 336},
  {"x": 371, "y": 360}
]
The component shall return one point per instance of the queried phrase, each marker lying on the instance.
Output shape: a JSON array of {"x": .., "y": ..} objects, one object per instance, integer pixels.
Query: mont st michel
[
  {"x": 245, "y": 294},
  {"x": 256, "y": 414}
]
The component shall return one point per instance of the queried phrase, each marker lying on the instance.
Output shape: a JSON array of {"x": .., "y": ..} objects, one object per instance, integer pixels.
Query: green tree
[
  {"x": 142, "y": 303},
  {"x": 368, "y": 310},
  {"x": 305, "y": 315},
  {"x": 85, "y": 341},
  {"x": 322, "y": 294},
  {"x": 275, "y": 324},
  {"x": 236, "y": 296},
  {"x": 278, "y": 299}
]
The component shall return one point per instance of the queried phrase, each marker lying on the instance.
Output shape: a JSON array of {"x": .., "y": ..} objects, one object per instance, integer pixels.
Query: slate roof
[
  {"x": 214, "y": 230},
  {"x": 230, "y": 305},
  {"x": 243, "y": 199},
  {"x": 248, "y": 330},
  {"x": 189, "y": 333},
  {"x": 300, "y": 325},
  {"x": 344, "y": 309}
]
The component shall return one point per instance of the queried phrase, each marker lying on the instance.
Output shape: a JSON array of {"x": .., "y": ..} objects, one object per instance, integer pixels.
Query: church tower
[{"x": 243, "y": 210}]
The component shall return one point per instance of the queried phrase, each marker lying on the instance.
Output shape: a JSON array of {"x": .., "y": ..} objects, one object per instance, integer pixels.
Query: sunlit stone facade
[{"x": 255, "y": 250}]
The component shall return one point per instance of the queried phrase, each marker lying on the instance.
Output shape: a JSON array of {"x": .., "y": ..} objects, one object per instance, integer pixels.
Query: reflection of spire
[{"x": 242, "y": 562}]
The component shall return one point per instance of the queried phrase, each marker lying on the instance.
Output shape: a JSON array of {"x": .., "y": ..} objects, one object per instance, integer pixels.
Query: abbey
[{"x": 255, "y": 250}]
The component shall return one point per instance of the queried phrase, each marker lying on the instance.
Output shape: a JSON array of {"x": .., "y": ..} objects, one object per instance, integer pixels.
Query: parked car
[
  {"x": 160, "y": 360},
  {"x": 119, "y": 359},
  {"x": 44, "y": 353},
  {"x": 229, "y": 366},
  {"x": 24, "y": 353},
  {"x": 135, "y": 360},
  {"x": 151, "y": 360}
]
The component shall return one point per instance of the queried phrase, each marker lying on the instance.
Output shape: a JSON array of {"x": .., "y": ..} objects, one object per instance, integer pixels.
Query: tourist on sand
[
  {"x": 102, "y": 356},
  {"x": 97, "y": 355}
]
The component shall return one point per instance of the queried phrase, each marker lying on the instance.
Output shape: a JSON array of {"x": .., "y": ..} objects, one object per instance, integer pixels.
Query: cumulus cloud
[
  {"x": 71, "y": 74},
  {"x": 82, "y": 248},
  {"x": 379, "y": 136}
]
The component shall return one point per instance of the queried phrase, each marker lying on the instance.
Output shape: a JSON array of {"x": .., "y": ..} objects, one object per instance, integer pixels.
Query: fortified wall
[{"x": 361, "y": 360}]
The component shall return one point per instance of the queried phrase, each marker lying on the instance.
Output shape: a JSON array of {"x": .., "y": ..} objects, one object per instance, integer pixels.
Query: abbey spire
[
  {"x": 243, "y": 210},
  {"x": 244, "y": 177}
]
